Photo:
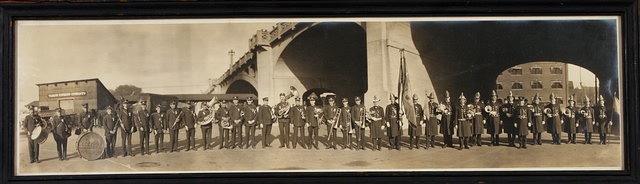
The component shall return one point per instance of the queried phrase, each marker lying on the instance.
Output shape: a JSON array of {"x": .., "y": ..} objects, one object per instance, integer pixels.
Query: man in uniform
[
  {"x": 358, "y": 118},
  {"x": 236, "y": 113},
  {"x": 86, "y": 118},
  {"x": 265, "y": 117},
  {"x": 554, "y": 126},
  {"x": 298, "y": 120},
  {"x": 463, "y": 124},
  {"x": 250, "y": 110},
  {"x": 189, "y": 124},
  {"x": 446, "y": 123},
  {"x": 316, "y": 116},
  {"x": 206, "y": 128},
  {"x": 157, "y": 125},
  {"x": 110, "y": 123},
  {"x": 601, "y": 120},
  {"x": 173, "y": 116},
  {"x": 30, "y": 123},
  {"x": 508, "y": 119},
  {"x": 345, "y": 124},
  {"x": 332, "y": 114},
  {"x": 478, "y": 121},
  {"x": 126, "y": 123},
  {"x": 283, "y": 109},
  {"x": 537, "y": 120},
  {"x": 61, "y": 131},
  {"x": 393, "y": 122},
  {"x": 587, "y": 120},
  {"x": 569, "y": 120},
  {"x": 415, "y": 129},
  {"x": 522, "y": 122},
  {"x": 377, "y": 125},
  {"x": 142, "y": 122},
  {"x": 493, "y": 120},
  {"x": 431, "y": 123},
  {"x": 223, "y": 116}
]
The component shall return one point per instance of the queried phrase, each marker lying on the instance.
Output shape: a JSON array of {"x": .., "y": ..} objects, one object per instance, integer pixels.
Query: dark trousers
[
  {"x": 556, "y": 138},
  {"x": 126, "y": 143},
  {"x": 111, "y": 145},
  {"x": 396, "y": 142},
  {"x": 173, "y": 139},
  {"x": 250, "y": 131},
  {"x": 603, "y": 138},
  {"x": 495, "y": 139},
  {"x": 159, "y": 139},
  {"x": 523, "y": 141},
  {"x": 206, "y": 136},
  {"x": 33, "y": 150},
  {"x": 346, "y": 139},
  {"x": 266, "y": 132},
  {"x": 430, "y": 141},
  {"x": 448, "y": 141},
  {"x": 224, "y": 136},
  {"x": 477, "y": 139},
  {"x": 236, "y": 136},
  {"x": 360, "y": 138},
  {"x": 587, "y": 138},
  {"x": 191, "y": 139},
  {"x": 298, "y": 135},
  {"x": 537, "y": 138},
  {"x": 512, "y": 139},
  {"x": 313, "y": 137},
  {"x": 284, "y": 133},
  {"x": 332, "y": 139},
  {"x": 144, "y": 142},
  {"x": 61, "y": 146},
  {"x": 571, "y": 138},
  {"x": 463, "y": 142}
]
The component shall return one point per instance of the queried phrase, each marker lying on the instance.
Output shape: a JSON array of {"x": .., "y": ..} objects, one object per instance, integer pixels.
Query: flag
[
  {"x": 616, "y": 109},
  {"x": 404, "y": 91}
]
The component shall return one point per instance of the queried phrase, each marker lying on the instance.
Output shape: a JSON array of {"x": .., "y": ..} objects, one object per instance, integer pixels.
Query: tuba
[
  {"x": 207, "y": 119},
  {"x": 284, "y": 112},
  {"x": 548, "y": 112},
  {"x": 488, "y": 109},
  {"x": 226, "y": 123}
]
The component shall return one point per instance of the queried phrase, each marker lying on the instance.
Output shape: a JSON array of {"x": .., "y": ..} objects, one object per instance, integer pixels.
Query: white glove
[
  {"x": 484, "y": 121},
  {"x": 577, "y": 124},
  {"x": 515, "y": 125},
  {"x": 388, "y": 125},
  {"x": 594, "y": 122},
  {"x": 500, "y": 122},
  {"x": 542, "y": 122},
  {"x": 529, "y": 124},
  {"x": 382, "y": 126},
  {"x": 610, "y": 123},
  {"x": 561, "y": 121}
]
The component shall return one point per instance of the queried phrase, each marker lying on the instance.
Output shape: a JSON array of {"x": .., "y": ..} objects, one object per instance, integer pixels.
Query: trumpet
[{"x": 548, "y": 112}]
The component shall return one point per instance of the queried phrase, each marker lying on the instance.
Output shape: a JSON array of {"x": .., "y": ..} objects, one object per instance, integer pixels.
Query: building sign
[{"x": 58, "y": 95}]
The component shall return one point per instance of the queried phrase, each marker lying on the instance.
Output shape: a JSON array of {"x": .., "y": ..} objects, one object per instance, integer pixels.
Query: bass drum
[
  {"x": 90, "y": 146},
  {"x": 39, "y": 135}
]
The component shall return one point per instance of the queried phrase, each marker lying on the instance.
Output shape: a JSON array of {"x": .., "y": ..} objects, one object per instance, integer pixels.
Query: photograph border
[{"x": 626, "y": 9}]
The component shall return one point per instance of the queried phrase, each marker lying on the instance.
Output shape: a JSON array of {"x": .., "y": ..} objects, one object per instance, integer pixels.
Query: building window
[
  {"x": 556, "y": 85},
  {"x": 516, "y": 85},
  {"x": 556, "y": 70},
  {"x": 535, "y": 70},
  {"x": 515, "y": 71},
  {"x": 536, "y": 85},
  {"x": 499, "y": 86}
]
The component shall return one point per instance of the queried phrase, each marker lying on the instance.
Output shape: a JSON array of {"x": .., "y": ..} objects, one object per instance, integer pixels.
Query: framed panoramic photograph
[{"x": 290, "y": 92}]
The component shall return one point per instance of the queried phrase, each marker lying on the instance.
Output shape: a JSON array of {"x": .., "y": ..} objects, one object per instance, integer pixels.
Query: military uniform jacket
[
  {"x": 493, "y": 119},
  {"x": 250, "y": 111},
  {"x": 416, "y": 129},
  {"x": 478, "y": 123},
  {"x": 376, "y": 125},
  {"x": 200, "y": 118},
  {"x": 358, "y": 115},
  {"x": 446, "y": 123},
  {"x": 463, "y": 123},
  {"x": 188, "y": 118},
  {"x": 587, "y": 119},
  {"x": 124, "y": 117},
  {"x": 110, "y": 123},
  {"x": 312, "y": 118},
  {"x": 522, "y": 120},
  {"x": 391, "y": 116},
  {"x": 570, "y": 120},
  {"x": 508, "y": 118},
  {"x": 282, "y": 116},
  {"x": 345, "y": 118},
  {"x": 264, "y": 115},
  {"x": 537, "y": 116},
  {"x": 234, "y": 112},
  {"x": 222, "y": 114},
  {"x": 553, "y": 123},
  {"x": 601, "y": 119},
  {"x": 157, "y": 122},
  {"x": 86, "y": 120},
  {"x": 297, "y": 115},
  {"x": 142, "y": 120},
  {"x": 60, "y": 126},
  {"x": 31, "y": 121},
  {"x": 172, "y": 119},
  {"x": 431, "y": 127},
  {"x": 330, "y": 113}
]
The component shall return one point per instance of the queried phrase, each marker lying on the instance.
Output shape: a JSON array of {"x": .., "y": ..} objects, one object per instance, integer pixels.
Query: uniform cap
[
  {"x": 493, "y": 93},
  {"x": 87, "y": 105},
  {"x": 297, "y": 99},
  {"x": 536, "y": 96},
  {"x": 265, "y": 99},
  {"x": 143, "y": 102},
  {"x": 376, "y": 99},
  {"x": 510, "y": 94},
  {"x": 312, "y": 96},
  {"x": 58, "y": 109},
  {"x": 431, "y": 96},
  {"x": 236, "y": 98},
  {"x": 446, "y": 94},
  {"x": 345, "y": 100},
  {"x": 601, "y": 98},
  {"x": 415, "y": 97},
  {"x": 331, "y": 99},
  {"x": 174, "y": 103},
  {"x": 109, "y": 108},
  {"x": 586, "y": 99},
  {"x": 477, "y": 96},
  {"x": 282, "y": 94},
  {"x": 357, "y": 98},
  {"x": 552, "y": 96},
  {"x": 462, "y": 96},
  {"x": 158, "y": 106}
]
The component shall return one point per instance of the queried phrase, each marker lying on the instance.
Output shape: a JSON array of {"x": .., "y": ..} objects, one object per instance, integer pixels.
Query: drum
[
  {"x": 90, "y": 146},
  {"x": 39, "y": 135}
]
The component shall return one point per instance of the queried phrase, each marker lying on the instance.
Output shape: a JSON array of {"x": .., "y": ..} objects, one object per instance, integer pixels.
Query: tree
[{"x": 126, "y": 90}]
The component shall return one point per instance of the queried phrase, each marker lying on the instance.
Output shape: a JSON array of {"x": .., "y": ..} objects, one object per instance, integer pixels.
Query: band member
[
  {"x": 345, "y": 124},
  {"x": 446, "y": 123},
  {"x": 587, "y": 121},
  {"x": 30, "y": 123},
  {"x": 61, "y": 130},
  {"x": 86, "y": 118},
  {"x": 206, "y": 128},
  {"x": 157, "y": 125},
  {"x": 569, "y": 119},
  {"x": 463, "y": 115},
  {"x": 523, "y": 121},
  {"x": 601, "y": 120},
  {"x": 537, "y": 120},
  {"x": 110, "y": 123},
  {"x": 250, "y": 110},
  {"x": 315, "y": 116},
  {"x": 189, "y": 124},
  {"x": 508, "y": 119},
  {"x": 478, "y": 121},
  {"x": 332, "y": 114},
  {"x": 415, "y": 129},
  {"x": 376, "y": 115},
  {"x": 283, "y": 109},
  {"x": 554, "y": 126},
  {"x": 265, "y": 117},
  {"x": 431, "y": 123},
  {"x": 236, "y": 113},
  {"x": 223, "y": 117},
  {"x": 358, "y": 114},
  {"x": 142, "y": 122},
  {"x": 172, "y": 117},
  {"x": 493, "y": 119},
  {"x": 125, "y": 118},
  {"x": 298, "y": 119},
  {"x": 393, "y": 122}
]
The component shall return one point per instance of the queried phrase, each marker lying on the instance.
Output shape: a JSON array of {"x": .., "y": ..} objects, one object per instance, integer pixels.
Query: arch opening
[{"x": 241, "y": 86}]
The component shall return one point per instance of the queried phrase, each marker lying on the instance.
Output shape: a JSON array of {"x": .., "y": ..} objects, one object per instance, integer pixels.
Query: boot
[
  {"x": 410, "y": 142},
  {"x": 433, "y": 141},
  {"x": 466, "y": 143},
  {"x": 418, "y": 142},
  {"x": 479, "y": 141},
  {"x": 460, "y": 143}
]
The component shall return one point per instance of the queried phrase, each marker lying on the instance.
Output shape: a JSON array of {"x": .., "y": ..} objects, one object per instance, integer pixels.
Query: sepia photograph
[{"x": 246, "y": 95}]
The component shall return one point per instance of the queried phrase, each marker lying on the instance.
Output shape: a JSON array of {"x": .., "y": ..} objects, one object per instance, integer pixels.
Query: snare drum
[
  {"x": 39, "y": 135},
  {"x": 90, "y": 146}
]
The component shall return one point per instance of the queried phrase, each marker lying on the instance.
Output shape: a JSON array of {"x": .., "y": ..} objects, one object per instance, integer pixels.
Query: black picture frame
[{"x": 626, "y": 9}]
